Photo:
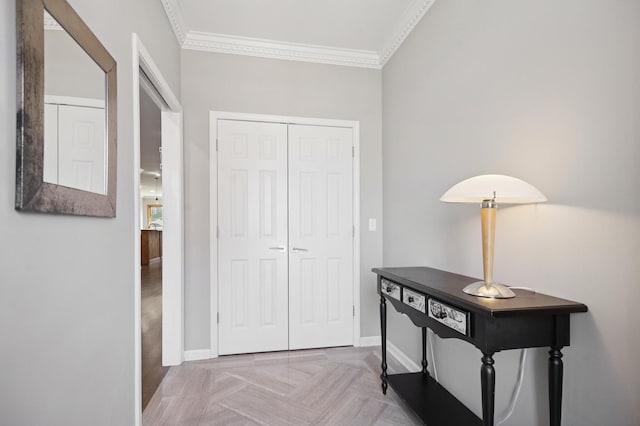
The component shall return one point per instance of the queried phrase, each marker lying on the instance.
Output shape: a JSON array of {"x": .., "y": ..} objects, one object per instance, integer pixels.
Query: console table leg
[
  {"x": 488, "y": 382},
  {"x": 383, "y": 334},
  {"x": 424, "y": 351},
  {"x": 555, "y": 386}
]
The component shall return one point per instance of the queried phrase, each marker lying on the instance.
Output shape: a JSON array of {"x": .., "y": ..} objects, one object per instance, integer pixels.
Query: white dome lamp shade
[{"x": 488, "y": 191}]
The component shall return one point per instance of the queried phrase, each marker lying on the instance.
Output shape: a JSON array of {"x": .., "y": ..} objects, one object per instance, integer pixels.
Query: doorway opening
[
  {"x": 158, "y": 223},
  {"x": 151, "y": 230}
]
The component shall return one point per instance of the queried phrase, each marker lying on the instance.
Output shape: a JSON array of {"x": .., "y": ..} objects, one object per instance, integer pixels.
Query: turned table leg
[
  {"x": 425, "y": 364},
  {"x": 383, "y": 334},
  {"x": 555, "y": 386},
  {"x": 488, "y": 383}
]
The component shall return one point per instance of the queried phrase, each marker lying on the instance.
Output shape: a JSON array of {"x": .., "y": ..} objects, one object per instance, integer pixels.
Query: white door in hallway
[
  {"x": 81, "y": 148},
  {"x": 75, "y": 154},
  {"x": 320, "y": 236},
  {"x": 252, "y": 243}
]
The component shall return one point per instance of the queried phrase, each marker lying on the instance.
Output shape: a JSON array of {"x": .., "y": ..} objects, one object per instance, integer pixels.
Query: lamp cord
[
  {"x": 433, "y": 358},
  {"x": 518, "y": 386},
  {"x": 524, "y": 288},
  {"x": 516, "y": 389}
]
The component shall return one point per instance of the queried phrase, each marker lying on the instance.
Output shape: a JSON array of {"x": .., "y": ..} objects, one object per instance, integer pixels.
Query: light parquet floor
[{"x": 335, "y": 386}]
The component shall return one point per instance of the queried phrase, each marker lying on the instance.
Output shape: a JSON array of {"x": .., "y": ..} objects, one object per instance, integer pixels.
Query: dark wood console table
[{"x": 434, "y": 299}]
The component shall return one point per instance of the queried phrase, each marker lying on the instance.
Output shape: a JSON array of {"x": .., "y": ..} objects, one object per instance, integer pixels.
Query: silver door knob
[
  {"x": 278, "y": 248},
  {"x": 298, "y": 249}
]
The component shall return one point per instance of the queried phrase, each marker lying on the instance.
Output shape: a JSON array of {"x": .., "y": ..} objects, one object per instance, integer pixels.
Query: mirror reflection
[{"x": 75, "y": 143}]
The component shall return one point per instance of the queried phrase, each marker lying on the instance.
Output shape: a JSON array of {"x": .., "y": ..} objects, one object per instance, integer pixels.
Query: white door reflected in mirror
[{"x": 75, "y": 142}]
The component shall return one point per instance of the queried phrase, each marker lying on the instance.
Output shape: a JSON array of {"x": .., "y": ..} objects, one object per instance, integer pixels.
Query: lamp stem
[{"x": 488, "y": 219}]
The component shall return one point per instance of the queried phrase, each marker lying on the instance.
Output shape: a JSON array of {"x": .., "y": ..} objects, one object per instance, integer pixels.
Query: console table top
[{"x": 448, "y": 287}]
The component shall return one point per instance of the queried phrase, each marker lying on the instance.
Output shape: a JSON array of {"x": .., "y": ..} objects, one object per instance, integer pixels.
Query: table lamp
[{"x": 488, "y": 190}]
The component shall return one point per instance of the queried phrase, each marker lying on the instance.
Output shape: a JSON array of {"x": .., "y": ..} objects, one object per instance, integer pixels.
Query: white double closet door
[
  {"x": 74, "y": 149},
  {"x": 285, "y": 244}
]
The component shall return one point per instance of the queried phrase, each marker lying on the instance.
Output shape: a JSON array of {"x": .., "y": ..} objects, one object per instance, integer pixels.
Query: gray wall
[
  {"x": 68, "y": 70},
  {"x": 549, "y": 92},
  {"x": 264, "y": 86},
  {"x": 66, "y": 283}
]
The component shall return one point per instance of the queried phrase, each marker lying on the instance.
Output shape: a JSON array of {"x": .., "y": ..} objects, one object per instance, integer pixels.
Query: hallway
[{"x": 152, "y": 369}]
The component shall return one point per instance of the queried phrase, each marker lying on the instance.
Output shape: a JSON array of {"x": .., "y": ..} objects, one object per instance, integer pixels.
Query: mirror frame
[{"x": 32, "y": 193}]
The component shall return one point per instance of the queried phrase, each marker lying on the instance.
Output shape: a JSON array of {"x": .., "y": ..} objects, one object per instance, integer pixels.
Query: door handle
[
  {"x": 278, "y": 248},
  {"x": 298, "y": 249}
]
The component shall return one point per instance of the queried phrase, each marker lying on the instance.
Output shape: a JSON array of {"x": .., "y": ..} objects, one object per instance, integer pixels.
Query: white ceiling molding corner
[
  {"x": 223, "y": 43},
  {"x": 237, "y": 45},
  {"x": 411, "y": 18},
  {"x": 172, "y": 9}
]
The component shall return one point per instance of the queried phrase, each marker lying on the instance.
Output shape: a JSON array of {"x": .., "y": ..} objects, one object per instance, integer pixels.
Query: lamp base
[{"x": 492, "y": 291}]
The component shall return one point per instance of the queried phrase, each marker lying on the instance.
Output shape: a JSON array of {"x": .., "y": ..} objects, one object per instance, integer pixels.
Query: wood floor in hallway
[
  {"x": 336, "y": 386},
  {"x": 151, "y": 300}
]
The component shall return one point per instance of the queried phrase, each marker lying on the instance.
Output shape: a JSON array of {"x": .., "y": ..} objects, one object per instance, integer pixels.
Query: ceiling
[{"x": 361, "y": 33}]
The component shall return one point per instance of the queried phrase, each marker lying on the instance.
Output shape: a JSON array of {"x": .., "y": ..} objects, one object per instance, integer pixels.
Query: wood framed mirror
[{"x": 67, "y": 114}]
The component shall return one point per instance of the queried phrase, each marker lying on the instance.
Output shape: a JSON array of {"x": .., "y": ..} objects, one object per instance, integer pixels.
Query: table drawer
[
  {"x": 390, "y": 289},
  {"x": 454, "y": 318},
  {"x": 414, "y": 299}
]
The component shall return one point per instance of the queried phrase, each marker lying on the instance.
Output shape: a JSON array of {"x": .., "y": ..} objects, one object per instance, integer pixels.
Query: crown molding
[
  {"x": 264, "y": 48},
  {"x": 172, "y": 9},
  {"x": 412, "y": 16},
  {"x": 223, "y": 43}
]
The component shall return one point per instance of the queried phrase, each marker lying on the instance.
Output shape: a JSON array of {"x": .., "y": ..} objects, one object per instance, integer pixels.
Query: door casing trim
[
  {"x": 173, "y": 288},
  {"x": 214, "y": 116}
]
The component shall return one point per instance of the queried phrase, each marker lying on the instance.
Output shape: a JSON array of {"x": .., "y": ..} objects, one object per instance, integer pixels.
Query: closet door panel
[
  {"x": 252, "y": 244},
  {"x": 81, "y": 148},
  {"x": 320, "y": 237}
]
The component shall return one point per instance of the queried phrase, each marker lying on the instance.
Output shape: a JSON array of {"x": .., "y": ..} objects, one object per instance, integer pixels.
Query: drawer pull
[
  {"x": 454, "y": 318},
  {"x": 390, "y": 289},
  {"x": 414, "y": 299}
]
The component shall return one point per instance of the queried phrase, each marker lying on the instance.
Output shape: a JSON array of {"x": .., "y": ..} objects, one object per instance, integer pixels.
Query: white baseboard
[
  {"x": 402, "y": 358},
  {"x": 198, "y": 355},
  {"x": 369, "y": 341}
]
